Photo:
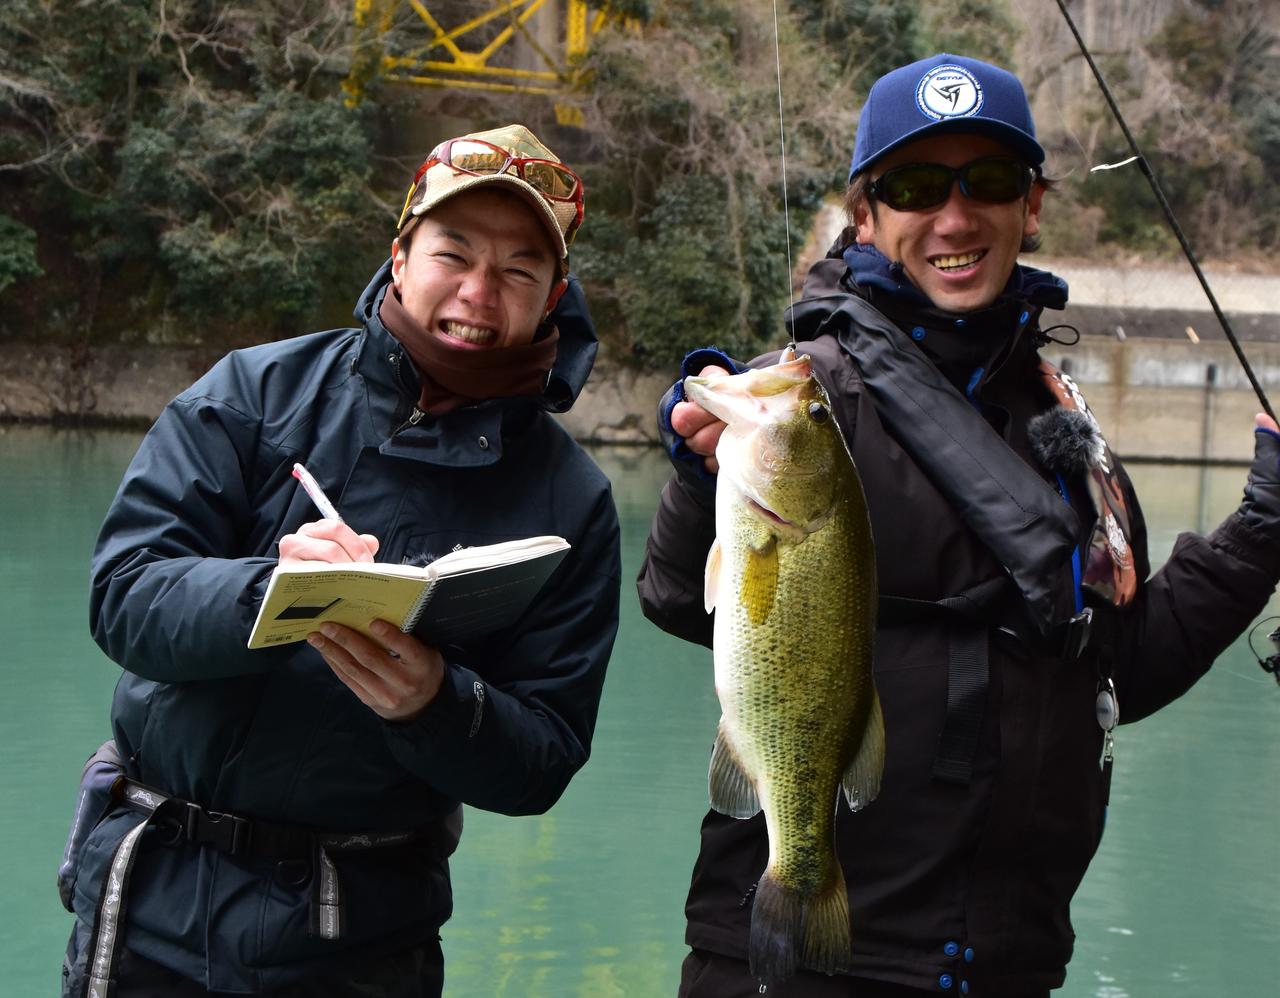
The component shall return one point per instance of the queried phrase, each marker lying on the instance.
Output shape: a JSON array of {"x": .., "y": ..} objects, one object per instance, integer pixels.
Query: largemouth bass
[{"x": 791, "y": 577}]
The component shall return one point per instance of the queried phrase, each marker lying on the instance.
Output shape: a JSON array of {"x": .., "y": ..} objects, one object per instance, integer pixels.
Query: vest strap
[
  {"x": 968, "y": 678},
  {"x": 1016, "y": 514},
  {"x": 968, "y": 627}
]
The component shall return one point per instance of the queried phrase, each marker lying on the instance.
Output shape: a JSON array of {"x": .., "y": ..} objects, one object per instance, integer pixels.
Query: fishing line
[
  {"x": 782, "y": 141},
  {"x": 1147, "y": 172}
]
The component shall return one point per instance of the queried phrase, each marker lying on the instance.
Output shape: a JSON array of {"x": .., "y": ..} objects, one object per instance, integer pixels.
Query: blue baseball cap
[{"x": 944, "y": 94}]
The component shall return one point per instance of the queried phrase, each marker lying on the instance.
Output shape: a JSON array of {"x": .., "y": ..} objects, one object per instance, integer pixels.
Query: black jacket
[
  {"x": 179, "y": 571},
  {"x": 971, "y": 880}
]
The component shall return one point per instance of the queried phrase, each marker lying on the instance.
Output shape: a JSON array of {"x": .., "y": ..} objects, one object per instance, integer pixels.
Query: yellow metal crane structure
[{"x": 513, "y": 46}]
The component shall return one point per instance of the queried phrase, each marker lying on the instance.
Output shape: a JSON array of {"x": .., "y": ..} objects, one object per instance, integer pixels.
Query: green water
[{"x": 1183, "y": 899}]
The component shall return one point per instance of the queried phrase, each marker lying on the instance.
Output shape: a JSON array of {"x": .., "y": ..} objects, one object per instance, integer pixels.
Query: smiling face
[
  {"x": 479, "y": 270},
  {"x": 960, "y": 253}
]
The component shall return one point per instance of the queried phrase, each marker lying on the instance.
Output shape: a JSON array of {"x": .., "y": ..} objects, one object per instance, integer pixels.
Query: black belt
[{"x": 251, "y": 838}]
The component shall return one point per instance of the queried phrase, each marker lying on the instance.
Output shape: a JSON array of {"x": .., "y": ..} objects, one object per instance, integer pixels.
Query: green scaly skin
[{"x": 795, "y": 622}]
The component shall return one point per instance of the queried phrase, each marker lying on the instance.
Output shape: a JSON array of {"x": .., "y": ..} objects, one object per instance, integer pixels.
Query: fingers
[
  {"x": 1264, "y": 422},
  {"x": 688, "y": 419},
  {"x": 327, "y": 540},
  {"x": 700, "y": 429},
  {"x": 395, "y": 676}
]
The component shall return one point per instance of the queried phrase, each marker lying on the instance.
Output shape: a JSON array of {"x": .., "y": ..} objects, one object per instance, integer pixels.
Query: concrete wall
[
  {"x": 1150, "y": 395},
  {"x": 1170, "y": 399}
]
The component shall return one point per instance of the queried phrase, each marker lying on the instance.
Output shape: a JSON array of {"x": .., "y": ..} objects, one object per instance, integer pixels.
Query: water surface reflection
[{"x": 1184, "y": 897}]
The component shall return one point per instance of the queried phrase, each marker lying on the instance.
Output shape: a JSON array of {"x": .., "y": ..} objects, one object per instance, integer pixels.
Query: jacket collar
[
  {"x": 575, "y": 353},
  {"x": 967, "y": 347},
  {"x": 874, "y": 274},
  {"x": 472, "y": 436}
]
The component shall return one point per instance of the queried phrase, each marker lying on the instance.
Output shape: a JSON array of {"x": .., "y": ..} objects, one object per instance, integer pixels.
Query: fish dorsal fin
[
  {"x": 732, "y": 791},
  {"x": 862, "y": 779},
  {"x": 711, "y": 579},
  {"x": 760, "y": 581}
]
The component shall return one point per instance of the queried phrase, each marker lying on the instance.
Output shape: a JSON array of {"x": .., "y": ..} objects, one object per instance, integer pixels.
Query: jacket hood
[
  {"x": 871, "y": 269},
  {"x": 575, "y": 353},
  {"x": 967, "y": 347}
]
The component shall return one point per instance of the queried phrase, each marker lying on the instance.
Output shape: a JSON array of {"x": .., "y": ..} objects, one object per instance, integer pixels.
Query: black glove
[{"x": 1261, "y": 506}]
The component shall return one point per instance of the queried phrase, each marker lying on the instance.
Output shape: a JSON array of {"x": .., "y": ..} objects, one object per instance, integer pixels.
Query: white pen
[{"x": 316, "y": 493}]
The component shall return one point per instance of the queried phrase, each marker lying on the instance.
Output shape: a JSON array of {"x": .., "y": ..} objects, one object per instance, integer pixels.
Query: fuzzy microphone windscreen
[{"x": 1066, "y": 441}]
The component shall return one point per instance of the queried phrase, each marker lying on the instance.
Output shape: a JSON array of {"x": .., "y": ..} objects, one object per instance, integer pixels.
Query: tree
[
  {"x": 867, "y": 38},
  {"x": 1219, "y": 148},
  {"x": 190, "y": 166},
  {"x": 687, "y": 237},
  {"x": 981, "y": 29},
  {"x": 17, "y": 252}
]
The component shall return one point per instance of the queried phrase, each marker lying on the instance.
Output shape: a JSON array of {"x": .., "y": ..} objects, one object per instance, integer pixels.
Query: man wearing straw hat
[{"x": 279, "y": 821}]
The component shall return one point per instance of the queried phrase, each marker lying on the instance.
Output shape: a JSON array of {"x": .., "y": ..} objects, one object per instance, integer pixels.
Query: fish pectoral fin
[
  {"x": 861, "y": 781},
  {"x": 732, "y": 790},
  {"x": 711, "y": 579},
  {"x": 760, "y": 581}
]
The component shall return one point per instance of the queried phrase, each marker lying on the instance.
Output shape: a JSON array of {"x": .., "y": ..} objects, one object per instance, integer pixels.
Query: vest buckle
[{"x": 1076, "y": 632}]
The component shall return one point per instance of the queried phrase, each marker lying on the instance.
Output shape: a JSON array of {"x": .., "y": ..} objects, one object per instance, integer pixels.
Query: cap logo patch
[{"x": 949, "y": 92}]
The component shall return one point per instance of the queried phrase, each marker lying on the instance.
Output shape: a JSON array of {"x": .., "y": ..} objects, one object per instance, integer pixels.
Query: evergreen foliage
[
  {"x": 1224, "y": 158},
  {"x": 686, "y": 242},
  {"x": 17, "y": 252},
  {"x": 982, "y": 29},
  {"x": 1201, "y": 105},
  {"x": 190, "y": 166},
  {"x": 229, "y": 170},
  {"x": 865, "y": 38}
]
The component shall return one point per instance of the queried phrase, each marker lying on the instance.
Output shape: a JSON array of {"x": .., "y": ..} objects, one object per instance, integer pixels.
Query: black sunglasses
[{"x": 916, "y": 186}]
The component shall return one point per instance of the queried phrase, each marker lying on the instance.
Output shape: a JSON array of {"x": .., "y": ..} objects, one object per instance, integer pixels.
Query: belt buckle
[
  {"x": 1077, "y": 634},
  {"x": 228, "y": 833}
]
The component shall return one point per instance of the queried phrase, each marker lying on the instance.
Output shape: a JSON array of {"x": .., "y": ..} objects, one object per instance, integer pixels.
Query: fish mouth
[
  {"x": 767, "y": 513},
  {"x": 795, "y": 530}
]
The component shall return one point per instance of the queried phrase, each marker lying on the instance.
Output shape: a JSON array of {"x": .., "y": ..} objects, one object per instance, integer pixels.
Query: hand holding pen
[
  {"x": 328, "y": 539},
  {"x": 395, "y": 676},
  {"x": 313, "y": 489}
]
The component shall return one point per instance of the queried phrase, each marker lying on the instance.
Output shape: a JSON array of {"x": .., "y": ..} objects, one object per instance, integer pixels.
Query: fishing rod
[{"x": 1147, "y": 172}]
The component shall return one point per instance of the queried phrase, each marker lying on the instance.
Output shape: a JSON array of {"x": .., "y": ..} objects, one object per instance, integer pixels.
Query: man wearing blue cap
[{"x": 1017, "y": 612}]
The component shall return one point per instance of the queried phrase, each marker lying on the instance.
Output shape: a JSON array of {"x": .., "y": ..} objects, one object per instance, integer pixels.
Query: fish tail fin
[
  {"x": 826, "y": 929},
  {"x": 790, "y": 930},
  {"x": 777, "y": 931}
]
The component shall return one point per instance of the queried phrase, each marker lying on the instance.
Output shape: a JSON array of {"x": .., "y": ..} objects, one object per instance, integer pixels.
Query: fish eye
[{"x": 818, "y": 412}]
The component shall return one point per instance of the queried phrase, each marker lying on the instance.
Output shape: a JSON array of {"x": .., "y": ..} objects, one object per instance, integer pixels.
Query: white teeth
[
  {"x": 470, "y": 334},
  {"x": 955, "y": 262}
]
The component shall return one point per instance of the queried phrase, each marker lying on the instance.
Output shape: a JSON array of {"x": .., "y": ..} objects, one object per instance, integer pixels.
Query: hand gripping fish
[{"x": 792, "y": 579}]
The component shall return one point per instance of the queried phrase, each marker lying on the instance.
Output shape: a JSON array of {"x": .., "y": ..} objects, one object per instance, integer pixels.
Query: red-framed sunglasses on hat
[{"x": 554, "y": 181}]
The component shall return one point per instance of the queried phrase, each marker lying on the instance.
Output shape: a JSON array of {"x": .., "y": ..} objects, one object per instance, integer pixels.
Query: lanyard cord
[{"x": 1076, "y": 569}]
